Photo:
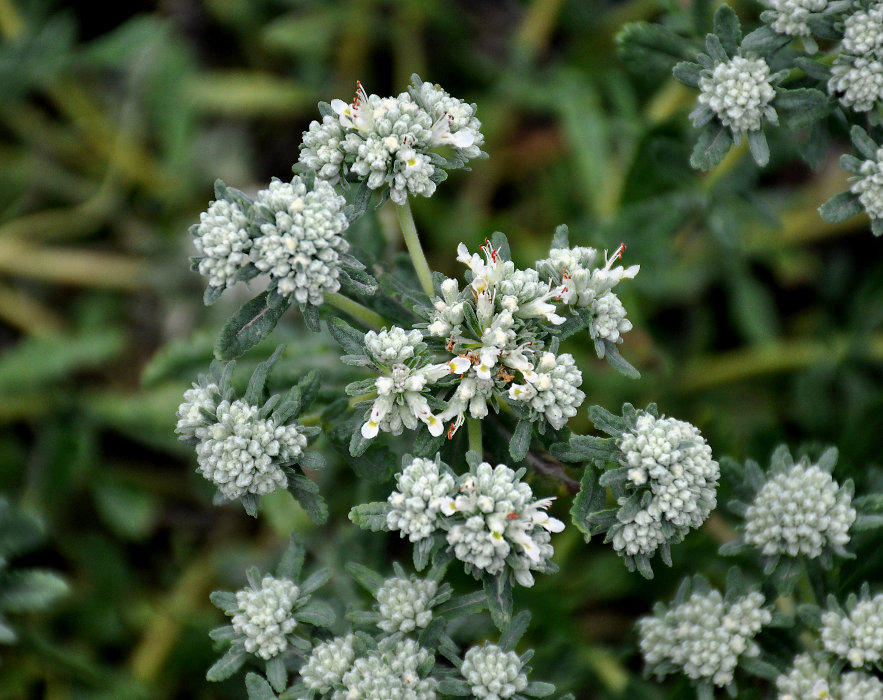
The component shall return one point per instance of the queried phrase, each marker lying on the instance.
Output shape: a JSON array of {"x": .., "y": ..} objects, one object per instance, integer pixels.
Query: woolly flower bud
[
  {"x": 321, "y": 149},
  {"x": 390, "y": 674},
  {"x": 393, "y": 346},
  {"x": 405, "y": 604},
  {"x": 240, "y": 452},
  {"x": 806, "y": 680},
  {"x": 609, "y": 322},
  {"x": 859, "y": 686},
  {"x": 492, "y": 673},
  {"x": 869, "y": 186},
  {"x": 857, "y": 82},
  {"x": 222, "y": 241},
  {"x": 799, "y": 512},
  {"x": 455, "y": 123},
  {"x": 553, "y": 389},
  {"x": 191, "y": 413},
  {"x": 301, "y": 246},
  {"x": 265, "y": 616},
  {"x": 413, "y": 175},
  {"x": 327, "y": 663},
  {"x": 863, "y": 31},
  {"x": 739, "y": 93},
  {"x": 671, "y": 459},
  {"x": 857, "y": 636},
  {"x": 704, "y": 636},
  {"x": 789, "y": 16},
  {"x": 415, "y": 506}
]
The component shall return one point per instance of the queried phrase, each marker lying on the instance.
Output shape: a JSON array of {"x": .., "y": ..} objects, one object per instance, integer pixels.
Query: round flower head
[
  {"x": 863, "y": 31},
  {"x": 738, "y": 92},
  {"x": 858, "y": 635},
  {"x": 300, "y": 245},
  {"x": 198, "y": 401},
  {"x": 222, "y": 243},
  {"x": 857, "y": 82},
  {"x": 455, "y": 123},
  {"x": 703, "y": 636},
  {"x": 327, "y": 663},
  {"x": 422, "y": 488},
  {"x": 493, "y": 674},
  {"x": 806, "y": 679},
  {"x": 869, "y": 186},
  {"x": 390, "y": 673},
  {"x": 859, "y": 686},
  {"x": 265, "y": 616},
  {"x": 405, "y": 603},
  {"x": 789, "y": 16},
  {"x": 322, "y": 148},
  {"x": 799, "y": 512},
  {"x": 552, "y": 390}
]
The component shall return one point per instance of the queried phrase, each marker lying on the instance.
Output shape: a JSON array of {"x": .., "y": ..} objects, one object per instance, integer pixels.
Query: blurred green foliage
[{"x": 754, "y": 319}]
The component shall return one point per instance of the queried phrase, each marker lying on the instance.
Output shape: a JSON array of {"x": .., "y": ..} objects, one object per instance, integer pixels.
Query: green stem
[
  {"x": 356, "y": 310},
  {"x": 473, "y": 425},
  {"x": 415, "y": 250},
  {"x": 807, "y": 593}
]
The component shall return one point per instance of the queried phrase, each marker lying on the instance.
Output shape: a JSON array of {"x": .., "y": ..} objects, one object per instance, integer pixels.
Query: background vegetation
[{"x": 754, "y": 319}]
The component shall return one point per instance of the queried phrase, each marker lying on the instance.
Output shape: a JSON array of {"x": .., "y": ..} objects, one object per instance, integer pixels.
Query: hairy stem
[
  {"x": 356, "y": 310},
  {"x": 415, "y": 250}
]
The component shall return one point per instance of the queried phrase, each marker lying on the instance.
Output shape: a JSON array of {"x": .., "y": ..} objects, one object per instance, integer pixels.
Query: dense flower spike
[
  {"x": 405, "y": 603},
  {"x": 704, "y": 636},
  {"x": 222, "y": 243},
  {"x": 738, "y": 92},
  {"x": 423, "y": 486},
  {"x": 327, "y": 663},
  {"x": 856, "y": 636},
  {"x": 301, "y": 244},
  {"x": 390, "y": 673},
  {"x": 265, "y": 616},
  {"x": 492, "y": 673}
]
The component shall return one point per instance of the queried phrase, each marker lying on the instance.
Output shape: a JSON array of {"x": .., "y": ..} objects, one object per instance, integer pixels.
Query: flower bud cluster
[
  {"x": 492, "y": 673},
  {"x": 863, "y": 31},
  {"x": 857, "y": 81},
  {"x": 704, "y": 636},
  {"x": 799, "y": 512},
  {"x": 807, "y": 678},
  {"x": 790, "y": 16},
  {"x": 405, "y": 603},
  {"x": 671, "y": 464},
  {"x": 327, "y": 663},
  {"x": 388, "y": 142},
  {"x": 739, "y": 92},
  {"x": 422, "y": 488},
  {"x": 869, "y": 186},
  {"x": 390, "y": 673},
  {"x": 265, "y": 616},
  {"x": 199, "y": 404},
  {"x": 858, "y": 635},
  {"x": 222, "y": 243},
  {"x": 552, "y": 390}
]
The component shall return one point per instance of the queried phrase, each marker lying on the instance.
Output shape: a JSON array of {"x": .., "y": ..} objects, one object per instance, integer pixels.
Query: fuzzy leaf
[
  {"x": 227, "y": 665},
  {"x": 728, "y": 29},
  {"x": 454, "y": 686},
  {"x": 258, "y": 688},
  {"x": 760, "y": 149},
  {"x": 712, "y": 145},
  {"x": 276, "y": 674},
  {"x": 468, "y": 604},
  {"x": 255, "y": 393},
  {"x": 251, "y": 324},
  {"x": 764, "y": 41},
  {"x": 539, "y": 689},
  {"x": 371, "y": 516},
  {"x": 585, "y": 448},
  {"x": 501, "y": 244},
  {"x": 422, "y": 551},
  {"x": 498, "y": 590},
  {"x": 367, "y": 578},
  {"x": 803, "y": 106},
  {"x": 590, "y": 499},
  {"x": 864, "y": 144},
  {"x": 840, "y": 207},
  {"x": 520, "y": 442},
  {"x": 31, "y": 589},
  {"x": 514, "y": 631},
  {"x": 561, "y": 237},
  {"x": 351, "y": 340},
  {"x": 317, "y": 613},
  {"x": 758, "y": 667},
  {"x": 688, "y": 73},
  {"x": 306, "y": 492}
]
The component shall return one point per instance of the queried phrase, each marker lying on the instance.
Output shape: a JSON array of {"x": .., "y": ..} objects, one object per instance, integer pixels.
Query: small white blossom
[
  {"x": 799, "y": 512},
  {"x": 413, "y": 176},
  {"x": 869, "y": 186},
  {"x": 265, "y": 616},
  {"x": 455, "y": 123},
  {"x": 858, "y": 635},
  {"x": 857, "y": 82},
  {"x": 859, "y": 686},
  {"x": 609, "y": 322},
  {"x": 739, "y": 93},
  {"x": 191, "y": 413},
  {"x": 327, "y": 663},
  {"x": 222, "y": 241},
  {"x": 493, "y": 674},
  {"x": 789, "y": 16},
  {"x": 405, "y": 604},
  {"x": 390, "y": 674},
  {"x": 302, "y": 246},
  {"x": 704, "y": 636},
  {"x": 552, "y": 390},
  {"x": 863, "y": 31},
  {"x": 448, "y": 310},
  {"x": 807, "y": 680},
  {"x": 321, "y": 149},
  {"x": 422, "y": 488}
]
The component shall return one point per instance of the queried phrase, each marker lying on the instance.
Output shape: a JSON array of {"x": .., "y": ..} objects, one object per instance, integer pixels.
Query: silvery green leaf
[
  {"x": 317, "y": 613},
  {"x": 561, "y": 237},
  {"x": 258, "y": 688},
  {"x": 276, "y": 675},
  {"x": 519, "y": 444},
  {"x": 315, "y": 581},
  {"x": 727, "y": 29},
  {"x": 255, "y": 392},
  {"x": 514, "y": 631},
  {"x": 539, "y": 689},
  {"x": 498, "y": 591},
  {"x": 251, "y": 324},
  {"x": 864, "y": 144},
  {"x": 589, "y": 500},
  {"x": 367, "y": 578},
  {"x": 371, "y": 516},
  {"x": 227, "y": 665},
  {"x": 840, "y": 207},
  {"x": 759, "y": 147},
  {"x": 712, "y": 145}
]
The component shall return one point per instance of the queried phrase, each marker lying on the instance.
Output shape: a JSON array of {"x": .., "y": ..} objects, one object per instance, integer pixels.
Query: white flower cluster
[
  {"x": 222, "y": 242},
  {"x": 422, "y": 488},
  {"x": 405, "y": 604},
  {"x": 671, "y": 460},
  {"x": 789, "y": 16},
  {"x": 492, "y": 673},
  {"x": 242, "y": 453},
  {"x": 704, "y": 636},
  {"x": 809, "y": 680},
  {"x": 552, "y": 390},
  {"x": 327, "y": 663},
  {"x": 301, "y": 244},
  {"x": 584, "y": 282},
  {"x": 863, "y": 31},
  {"x": 856, "y": 685},
  {"x": 799, "y": 512},
  {"x": 390, "y": 674},
  {"x": 198, "y": 401},
  {"x": 858, "y": 635},
  {"x": 739, "y": 93},
  {"x": 857, "y": 81},
  {"x": 401, "y": 392},
  {"x": 869, "y": 186},
  {"x": 265, "y": 616},
  {"x": 387, "y": 141}
]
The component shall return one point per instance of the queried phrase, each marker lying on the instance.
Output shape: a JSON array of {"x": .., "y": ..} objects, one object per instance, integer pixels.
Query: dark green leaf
[
  {"x": 713, "y": 143},
  {"x": 520, "y": 442},
  {"x": 727, "y": 28},
  {"x": 254, "y": 395},
  {"x": 251, "y": 324},
  {"x": 498, "y": 590}
]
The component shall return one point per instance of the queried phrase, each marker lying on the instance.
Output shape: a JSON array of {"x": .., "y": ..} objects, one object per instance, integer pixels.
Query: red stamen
[
  {"x": 512, "y": 516},
  {"x": 619, "y": 251},
  {"x": 452, "y": 430}
]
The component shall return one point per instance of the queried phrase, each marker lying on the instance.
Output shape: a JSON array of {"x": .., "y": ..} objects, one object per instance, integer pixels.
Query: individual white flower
[
  {"x": 222, "y": 242},
  {"x": 799, "y": 512},
  {"x": 807, "y": 680},
  {"x": 422, "y": 488},
  {"x": 552, "y": 390},
  {"x": 790, "y": 16},
  {"x": 671, "y": 460},
  {"x": 858, "y": 635},
  {"x": 526, "y": 296},
  {"x": 581, "y": 277},
  {"x": 869, "y": 186},
  {"x": 739, "y": 93},
  {"x": 321, "y": 149},
  {"x": 455, "y": 123},
  {"x": 327, "y": 663},
  {"x": 405, "y": 604},
  {"x": 302, "y": 244},
  {"x": 401, "y": 401},
  {"x": 265, "y": 616},
  {"x": 863, "y": 31},
  {"x": 492, "y": 673},
  {"x": 859, "y": 686},
  {"x": 704, "y": 636},
  {"x": 241, "y": 452},
  {"x": 390, "y": 674},
  {"x": 198, "y": 401},
  {"x": 857, "y": 82},
  {"x": 488, "y": 271},
  {"x": 413, "y": 176}
]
